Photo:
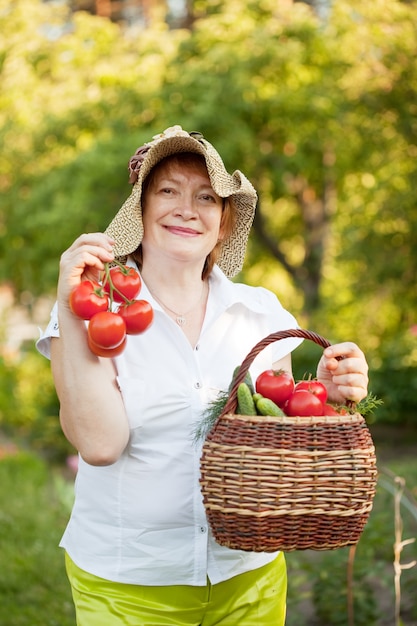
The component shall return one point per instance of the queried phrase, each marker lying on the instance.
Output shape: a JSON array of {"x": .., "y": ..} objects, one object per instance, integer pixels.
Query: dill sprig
[
  {"x": 368, "y": 404},
  {"x": 212, "y": 412}
]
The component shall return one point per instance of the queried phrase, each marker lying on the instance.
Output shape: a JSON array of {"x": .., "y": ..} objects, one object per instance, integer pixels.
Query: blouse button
[
  {"x": 197, "y": 385},
  {"x": 203, "y": 530}
]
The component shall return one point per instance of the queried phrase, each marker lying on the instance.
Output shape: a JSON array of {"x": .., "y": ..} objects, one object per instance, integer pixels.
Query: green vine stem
[{"x": 108, "y": 280}]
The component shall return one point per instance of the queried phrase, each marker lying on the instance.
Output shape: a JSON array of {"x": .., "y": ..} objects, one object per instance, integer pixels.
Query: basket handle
[{"x": 231, "y": 404}]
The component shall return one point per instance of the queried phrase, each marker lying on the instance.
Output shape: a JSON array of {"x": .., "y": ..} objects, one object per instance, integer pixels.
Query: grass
[{"x": 34, "y": 590}]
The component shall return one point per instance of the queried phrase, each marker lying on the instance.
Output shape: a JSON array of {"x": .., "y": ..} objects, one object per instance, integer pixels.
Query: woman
[{"x": 138, "y": 546}]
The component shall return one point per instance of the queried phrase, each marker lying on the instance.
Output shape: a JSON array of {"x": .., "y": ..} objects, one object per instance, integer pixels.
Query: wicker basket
[{"x": 287, "y": 483}]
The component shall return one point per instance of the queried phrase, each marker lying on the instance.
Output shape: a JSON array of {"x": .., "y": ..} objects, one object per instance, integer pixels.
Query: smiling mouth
[{"x": 181, "y": 230}]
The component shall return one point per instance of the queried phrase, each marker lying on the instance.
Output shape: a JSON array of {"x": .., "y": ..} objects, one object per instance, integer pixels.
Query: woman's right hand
[
  {"x": 83, "y": 260},
  {"x": 83, "y": 380}
]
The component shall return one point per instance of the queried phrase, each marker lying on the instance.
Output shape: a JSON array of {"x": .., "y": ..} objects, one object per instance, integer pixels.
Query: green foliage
[
  {"x": 394, "y": 378},
  {"x": 209, "y": 417},
  {"x": 369, "y": 404},
  {"x": 29, "y": 409},
  {"x": 319, "y": 114},
  {"x": 292, "y": 94},
  {"x": 33, "y": 585},
  {"x": 330, "y": 594},
  {"x": 71, "y": 105}
]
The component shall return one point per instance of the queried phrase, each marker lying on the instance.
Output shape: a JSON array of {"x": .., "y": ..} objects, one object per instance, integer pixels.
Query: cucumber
[
  {"x": 248, "y": 380},
  {"x": 265, "y": 406},
  {"x": 256, "y": 397},
  {"x": 245, "y": 403}
]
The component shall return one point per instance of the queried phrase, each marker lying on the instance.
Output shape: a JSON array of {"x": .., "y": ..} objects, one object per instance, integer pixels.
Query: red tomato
[
  {"x": 328, "y": 409},
  {"x": 107, "y": 352},
  {"x": 138, "y": 316},
  {"x": 313, "y": 386},
  {"x": 277, "y": 385},
  {"x": 87, "y": 299},
  {"x": 303, "y": 403},
  {"x": 126, "y": 283},
  {"x": 107, "y": 329}
]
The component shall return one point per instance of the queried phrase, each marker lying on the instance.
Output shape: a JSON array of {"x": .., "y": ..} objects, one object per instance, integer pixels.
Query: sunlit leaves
[{"x": 320, "y": 114}]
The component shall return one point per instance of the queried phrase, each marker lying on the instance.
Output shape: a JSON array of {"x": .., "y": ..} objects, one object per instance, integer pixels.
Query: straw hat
[{"x": 126, "y": 227}]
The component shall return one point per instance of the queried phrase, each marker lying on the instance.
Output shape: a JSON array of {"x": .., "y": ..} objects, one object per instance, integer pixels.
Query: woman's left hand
[{"x": 344, "y": 371}]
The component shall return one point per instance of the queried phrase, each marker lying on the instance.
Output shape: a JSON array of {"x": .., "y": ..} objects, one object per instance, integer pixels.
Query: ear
[
  {"x": 221, "y": 236},
  {"x": 221, "y": 229}
]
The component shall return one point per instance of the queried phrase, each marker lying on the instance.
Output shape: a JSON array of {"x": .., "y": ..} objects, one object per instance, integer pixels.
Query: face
[{"x": 181, "y": 214}]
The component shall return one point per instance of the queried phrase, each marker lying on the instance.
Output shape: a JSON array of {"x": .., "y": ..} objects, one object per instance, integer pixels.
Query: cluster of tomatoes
[
  {"x": 109, "y": 325},
  {"x": 305, "y": 398}
]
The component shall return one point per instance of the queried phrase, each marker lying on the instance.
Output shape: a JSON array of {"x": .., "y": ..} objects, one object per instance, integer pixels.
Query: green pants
[{"x": 256, "y": 598}]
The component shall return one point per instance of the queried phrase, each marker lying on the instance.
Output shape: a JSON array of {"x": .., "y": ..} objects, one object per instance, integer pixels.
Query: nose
[{"x": 187, "y": 206}]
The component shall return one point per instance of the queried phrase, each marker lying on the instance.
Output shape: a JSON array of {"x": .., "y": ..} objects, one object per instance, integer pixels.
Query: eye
[{"x": 207, "y": 197}]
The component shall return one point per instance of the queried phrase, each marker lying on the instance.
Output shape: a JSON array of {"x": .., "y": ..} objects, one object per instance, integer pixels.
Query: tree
[
  {"x": 318, "y": 114},
  {"x": 72, "y": 91},
  {"x": 298, "y": 106}
]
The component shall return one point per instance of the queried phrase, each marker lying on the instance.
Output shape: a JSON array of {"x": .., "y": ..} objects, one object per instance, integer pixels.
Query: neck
[
  {"x": 183, "y": 297},
  {"x": 172, "y": 280}
]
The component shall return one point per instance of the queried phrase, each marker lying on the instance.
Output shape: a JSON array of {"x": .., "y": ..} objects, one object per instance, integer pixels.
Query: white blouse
[{"x": 142, "y": 519}]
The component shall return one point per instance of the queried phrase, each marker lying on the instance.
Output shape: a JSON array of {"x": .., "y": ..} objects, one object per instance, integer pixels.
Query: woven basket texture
[{"x": 287, "y": 483}]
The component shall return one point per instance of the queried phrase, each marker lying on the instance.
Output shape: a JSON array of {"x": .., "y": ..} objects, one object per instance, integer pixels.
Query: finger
[
  {"x": 350, "y": 379},
  {"x": 355, "y": 394},
  {"x": 343, "y": 350},
  {"x": 87, "y": 255},
  {"x": 353, "y": 385},
  {"x": 95, "y": 239},
  {"x": 347, "y": 366},
  {"x": 83, "y": 260}
]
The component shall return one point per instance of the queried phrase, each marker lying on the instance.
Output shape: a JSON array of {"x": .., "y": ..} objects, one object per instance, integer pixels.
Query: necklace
[{"x": 181, "y": 318}]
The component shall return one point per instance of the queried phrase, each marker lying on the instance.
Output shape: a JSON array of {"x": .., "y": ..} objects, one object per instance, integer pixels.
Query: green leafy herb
[
  {"x": 368, "y": 404},
  {"x": 209, "y": 417}
]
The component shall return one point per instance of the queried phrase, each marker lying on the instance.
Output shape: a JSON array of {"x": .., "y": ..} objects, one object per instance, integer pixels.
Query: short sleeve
[
  {"x": 278, "y": 318},
  {"x": 43, "y": 344},
  {"x": 285, "y": 346}
]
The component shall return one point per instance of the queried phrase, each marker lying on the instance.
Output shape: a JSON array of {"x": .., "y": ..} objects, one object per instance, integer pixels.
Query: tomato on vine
[
  {"x": 122, "y": 283},
  {"x": 106, "y": 352},
  {"x": 87, "y": 299},
  {"x": 138, "y": 316},
  {"x": 107, "y": 329}
]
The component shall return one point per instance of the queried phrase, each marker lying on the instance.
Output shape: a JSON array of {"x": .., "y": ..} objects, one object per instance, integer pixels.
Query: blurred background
[{"x": 316, "y": 102}]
